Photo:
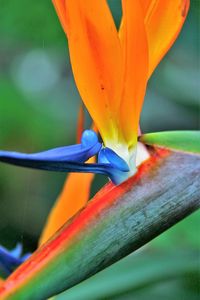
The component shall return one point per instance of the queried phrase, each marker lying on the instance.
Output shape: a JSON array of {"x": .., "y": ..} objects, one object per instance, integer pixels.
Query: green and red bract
[{"x": 117, "y": 221}]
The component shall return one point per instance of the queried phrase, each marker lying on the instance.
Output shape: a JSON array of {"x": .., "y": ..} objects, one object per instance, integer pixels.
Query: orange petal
[
  {"x": 134, "y": 44},
  {"x": 80, "y": 124},
  {"x": 145, "y": 5},
  {"x": 163, "y": 20},
  {"x": 96, "y": 59},
  {"x": 74, "y": 196}
]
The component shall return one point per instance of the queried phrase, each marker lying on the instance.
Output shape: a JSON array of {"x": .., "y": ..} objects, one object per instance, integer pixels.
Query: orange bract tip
[
  {"x": 135, "y": 52},
  {"x": 163, "y": 21}
]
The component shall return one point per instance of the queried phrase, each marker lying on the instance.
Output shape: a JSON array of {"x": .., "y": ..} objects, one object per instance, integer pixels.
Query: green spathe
[{"x": 187, "y": 141}]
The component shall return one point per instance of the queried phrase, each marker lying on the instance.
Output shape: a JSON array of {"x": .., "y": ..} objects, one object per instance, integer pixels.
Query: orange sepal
[
  {"x": 135, "y": 51},
  {"x": 163, "y": 21},
  {"x": 96, "y": 59}
]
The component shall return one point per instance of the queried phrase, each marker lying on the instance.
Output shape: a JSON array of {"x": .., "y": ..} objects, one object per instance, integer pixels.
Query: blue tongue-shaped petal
[
  {"x": 76, "y": 153},
  {"x": 72, "y": 158},
  {"x": 117, "y": 168},
  {"x": 9, "y": 260}
]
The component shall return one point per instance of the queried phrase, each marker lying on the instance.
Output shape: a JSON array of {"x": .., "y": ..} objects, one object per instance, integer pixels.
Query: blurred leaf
[
  {"x": 162, "y": 113},
  {"x": 185, "y": 234},
  {"x": 183, "y": 82},
  {"x": 28, "y": 125},
  {"x": 136, "y": 272},
  {"x": 173, "y": 289},
  {"x": 26, "y": 26},
  {"x": 188, "y": 141}
]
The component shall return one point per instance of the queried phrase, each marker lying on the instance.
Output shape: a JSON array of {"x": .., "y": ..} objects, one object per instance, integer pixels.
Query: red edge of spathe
[{"x": 102, "y": 200}]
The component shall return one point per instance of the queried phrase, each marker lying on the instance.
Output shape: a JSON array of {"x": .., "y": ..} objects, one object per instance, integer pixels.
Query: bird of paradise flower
[{"x": 111, "y": 69}]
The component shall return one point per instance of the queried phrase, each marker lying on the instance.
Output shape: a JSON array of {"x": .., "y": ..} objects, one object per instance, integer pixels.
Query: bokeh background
[{"x": 38, "y": 110}]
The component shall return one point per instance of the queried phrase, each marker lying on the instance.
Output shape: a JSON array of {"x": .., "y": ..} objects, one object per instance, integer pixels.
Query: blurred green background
[{"x": 38, "y": 110}]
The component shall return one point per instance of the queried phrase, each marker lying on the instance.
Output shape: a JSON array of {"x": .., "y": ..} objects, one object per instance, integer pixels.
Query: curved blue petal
[
  {"x": 10, "y": 260},
  {"x": 108, "y": 156},
  {"x": 117, "y": 168},
  {"x": 72, "y": 158},
  {"x": 17, "y": 251},
  {"x": 79, "y": 153}
]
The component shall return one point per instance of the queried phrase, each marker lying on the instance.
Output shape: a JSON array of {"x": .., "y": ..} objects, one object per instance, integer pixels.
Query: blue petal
[
  {"x": 89, "y": 138},
  {"x": 108, "y": 156},
  {"x": 72, "y": 158},
  {"x": 100, "y": 168},
  {"x": 10, "y": 260},
  {"x": 79, "y": 153},
  {"x": 117, "y": 168},
  {"x": 17, "y": 251}
]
